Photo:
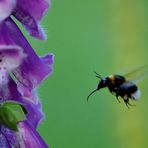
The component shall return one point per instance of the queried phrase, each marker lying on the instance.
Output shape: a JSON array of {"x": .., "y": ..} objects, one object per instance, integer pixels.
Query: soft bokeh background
[{"x": 107, "y": 36}]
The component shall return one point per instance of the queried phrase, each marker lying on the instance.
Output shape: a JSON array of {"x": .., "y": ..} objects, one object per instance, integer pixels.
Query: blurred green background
[{"x": 107, "y": 36}]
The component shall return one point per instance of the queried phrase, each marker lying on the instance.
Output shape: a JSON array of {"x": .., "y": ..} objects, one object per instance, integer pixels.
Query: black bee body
[
  {"x": 118, "y": 86},
  {"x": 114, "y": 81},
  {"x": 127, "y": 88}
]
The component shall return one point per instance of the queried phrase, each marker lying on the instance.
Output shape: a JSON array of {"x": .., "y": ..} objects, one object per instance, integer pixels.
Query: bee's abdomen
[
  {"x": 136, "y": 95},
  {"x": 129, "y": 89}
]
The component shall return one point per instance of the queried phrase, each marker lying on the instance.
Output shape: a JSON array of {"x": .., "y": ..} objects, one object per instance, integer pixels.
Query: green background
[{"x": 106, "y": 36}]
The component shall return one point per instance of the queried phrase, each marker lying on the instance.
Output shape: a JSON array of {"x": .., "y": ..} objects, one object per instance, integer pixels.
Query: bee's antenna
[
  {"x": 91, "y": 94},
  {"x": 98, "y": 75}
]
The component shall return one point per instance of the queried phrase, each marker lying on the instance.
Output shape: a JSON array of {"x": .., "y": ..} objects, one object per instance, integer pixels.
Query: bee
[{"x": 121, "y": 86}]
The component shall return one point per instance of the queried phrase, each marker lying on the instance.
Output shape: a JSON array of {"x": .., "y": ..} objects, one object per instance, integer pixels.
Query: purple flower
[
  {"x": 32, "y": 69},
  {"x": 9, "y": 92},
  {"x": 18, "y": 58},
  {"x": 21, "y": 72},
  {"x": 28, "y": 12},
  {"x": 25, "y": 137}
]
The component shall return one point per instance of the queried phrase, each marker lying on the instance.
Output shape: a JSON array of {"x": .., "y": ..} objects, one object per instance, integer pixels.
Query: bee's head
[{"x": 103, "y": 83}]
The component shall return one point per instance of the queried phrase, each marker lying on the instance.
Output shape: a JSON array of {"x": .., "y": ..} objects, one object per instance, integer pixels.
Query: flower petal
[
  {"x": 6, "y": 8},
  {"x": 11, "y": 136},
  {"x": 26, "y": 137},
  {"x": 9, "y": 92},
  {"x": 29, "y": 13},
  {"x": 4, "y": 142},
  {"x": 10, "y": 58},
  {"x": 33, "y": 70},
  {"x": 30, "y": 137},
  {"x": 35, "y": 114},
  {"x": 11, "y": 55}
]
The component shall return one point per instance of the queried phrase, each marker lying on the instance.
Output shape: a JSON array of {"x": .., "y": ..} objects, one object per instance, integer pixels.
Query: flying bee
[{"x": 121, "y": 86}]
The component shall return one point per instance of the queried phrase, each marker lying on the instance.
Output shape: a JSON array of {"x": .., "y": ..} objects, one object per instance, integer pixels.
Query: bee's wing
[{"x": 138, "y": 74}]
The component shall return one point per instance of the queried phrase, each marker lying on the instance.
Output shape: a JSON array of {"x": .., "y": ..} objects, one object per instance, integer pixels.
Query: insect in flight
[{"x": 123, "y": 86}]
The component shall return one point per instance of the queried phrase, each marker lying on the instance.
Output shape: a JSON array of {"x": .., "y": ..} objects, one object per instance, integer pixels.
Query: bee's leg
[
  {"x": 131, "y": 104},
  {"x": 117, "y": 98},
  {"x": 127, "y": 103},
  {"x": 116, "y": 95}
]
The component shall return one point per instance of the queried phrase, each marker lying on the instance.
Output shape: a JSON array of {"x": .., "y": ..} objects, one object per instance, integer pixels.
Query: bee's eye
[{"x": 104, "y": 82}]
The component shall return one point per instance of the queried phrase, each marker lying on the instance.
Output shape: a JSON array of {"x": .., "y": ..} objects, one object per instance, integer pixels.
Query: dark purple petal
[
  {"x": 30, "y": 137},
  {"x": 4, "y": 142},
  {"x": 11, "y": 55},
  {"x": 26, "y": 137},
  {"x": 9, "y": 92},
  {"x": 32, "y": 72},
  {"x": 33, "y": 69},
  {"x": 35, "y": 114},
  {"x": 29, "y": 13},
  {"x": 6, "y": 8},
  {"x": 11, "y": 136}
]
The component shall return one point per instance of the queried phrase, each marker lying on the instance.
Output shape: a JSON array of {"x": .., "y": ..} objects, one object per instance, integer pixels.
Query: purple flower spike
[
  {"x": 33, "y": 70},
  {"x": 21, "y": 72},
  {"x": 30, "y": 137},
  {"x": 30, "y": 13},
  {"x": 6, "y": 8}
]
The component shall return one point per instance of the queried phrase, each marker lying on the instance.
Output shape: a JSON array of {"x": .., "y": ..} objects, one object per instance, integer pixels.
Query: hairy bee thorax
[
  {"x": 116, "y": 79},
  {"x": 111, "y": 78}
]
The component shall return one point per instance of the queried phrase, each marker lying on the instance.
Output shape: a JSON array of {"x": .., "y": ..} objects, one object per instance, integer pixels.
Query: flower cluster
[{"x": 21, "y": 71}]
